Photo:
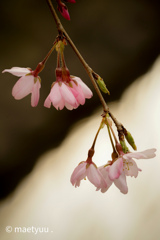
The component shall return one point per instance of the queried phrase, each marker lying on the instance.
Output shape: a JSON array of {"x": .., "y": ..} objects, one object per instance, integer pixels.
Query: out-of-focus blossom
[
  {"x": 62, "y": 8},
  {"x": 71, "y": 1},
  {"x": 27, "y": 84}
]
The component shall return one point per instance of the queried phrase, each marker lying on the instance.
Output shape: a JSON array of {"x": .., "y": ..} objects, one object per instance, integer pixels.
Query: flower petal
[
  {"x": 78, "y": 174},
  {"x": 47, "y": 102},
  {"x": 116, "y": 169},
  {"x": 35, "y": 93},
  {"x": 104, "y": 171},
  {"x": 78, "y": 93},
  {"x": 17, "y": 71},
  {"x": 93, "y": 175},
  {"x": 149, "y": 153},
  {"x": 23, "y": 87},
  {"x": 121, "y": 183},
  {"x": 86, "y": 91},
  {"x": 69, "y": 107},
  {"x": 55, "y": 95},
  {"x": 67, "y": 95},
  {"x": 130, "y": 168}
]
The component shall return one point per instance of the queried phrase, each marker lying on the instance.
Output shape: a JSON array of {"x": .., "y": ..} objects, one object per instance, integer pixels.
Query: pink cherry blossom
[
  {"x": 28, "y": 83},
  {"x": 124, "y": 166},
  {"x": 60, "y": 96},
  {"x": 129, "y": 165},
  {"x": 119, "y": 180},
  {"x": 90, "y": 171},
  {"x": 67, "y": 92}
]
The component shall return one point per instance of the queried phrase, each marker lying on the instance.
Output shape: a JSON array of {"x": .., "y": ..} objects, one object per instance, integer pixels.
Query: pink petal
[
  {"x": 60, "y": 106},
  {"x": 47, "y": 102},
  {"x": 68, "y": 96},
  {"x": 121, "y": 183},
  {"x": 78, "y": 93},
  {"x": 55, "y": 95},
  {"x": 86, "y": 91},
  {"x": 23, "y": 87},
  {"x": 130, "y": 168},
  {"x": 116, "y": 169},
  {"x": 35, "y": 93},
  {"x": 93, "y": 175},
  {"x": 17, "y": 71},
  {"x": 104, "y": 172},
  {"x": 149, "y": 153},
  {"x": 78, "y": 174},
  {"x": 69, "y": 107}
]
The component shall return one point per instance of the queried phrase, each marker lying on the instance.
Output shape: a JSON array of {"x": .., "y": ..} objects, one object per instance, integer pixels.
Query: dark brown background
[{"x": 119, "y": 39}]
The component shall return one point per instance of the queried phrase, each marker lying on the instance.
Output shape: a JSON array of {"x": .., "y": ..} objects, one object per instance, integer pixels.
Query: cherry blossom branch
[{"x": 91, "y": 73}]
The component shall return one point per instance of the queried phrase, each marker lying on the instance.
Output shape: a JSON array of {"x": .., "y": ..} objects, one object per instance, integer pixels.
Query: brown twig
[{"x": 90, "y": 72}]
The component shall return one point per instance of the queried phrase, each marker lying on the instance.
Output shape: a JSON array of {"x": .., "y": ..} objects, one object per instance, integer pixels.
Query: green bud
[
  {"x": 130, "y": 140},
  {"x": 102, "y": 85},
  {"x": 124, "y": 146}
]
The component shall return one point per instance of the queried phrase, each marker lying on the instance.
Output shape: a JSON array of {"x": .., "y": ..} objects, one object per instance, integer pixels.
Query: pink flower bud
[
  {"x": 70, "y": 1},
  {"x": 63, "y": 10}
]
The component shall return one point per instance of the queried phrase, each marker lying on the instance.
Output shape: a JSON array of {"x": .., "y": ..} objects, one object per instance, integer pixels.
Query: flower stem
[
  {"x": 49, "y": 53},
  {"x": 101, "y": 125}
]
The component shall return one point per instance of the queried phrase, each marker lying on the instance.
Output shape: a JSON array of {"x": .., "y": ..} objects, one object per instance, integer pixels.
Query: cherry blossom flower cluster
[
  {"x": 67, "y": 91},
  {"x": 113, "y": 172}
]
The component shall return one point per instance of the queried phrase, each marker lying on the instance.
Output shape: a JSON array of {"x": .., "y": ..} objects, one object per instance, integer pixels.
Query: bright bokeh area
[{"x": 46, "y": 199}]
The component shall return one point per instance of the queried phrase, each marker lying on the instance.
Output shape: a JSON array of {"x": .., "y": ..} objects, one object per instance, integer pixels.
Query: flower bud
[
  {"x": 130, "y": 139},
  {"x": 63, "y": 10},
  {"x": 70, "y": 1},
  {"x": 124, "y": 146},
  {"x": 102, "y": 85}
]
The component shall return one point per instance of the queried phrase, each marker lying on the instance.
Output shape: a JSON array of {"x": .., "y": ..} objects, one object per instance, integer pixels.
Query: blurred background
[
  {"x": 40, "y": 147},
  {"x": 118, "y": 38}
]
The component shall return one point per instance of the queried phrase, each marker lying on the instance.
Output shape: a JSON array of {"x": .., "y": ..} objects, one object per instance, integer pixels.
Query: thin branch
[{"x": 89, "y": 71}]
